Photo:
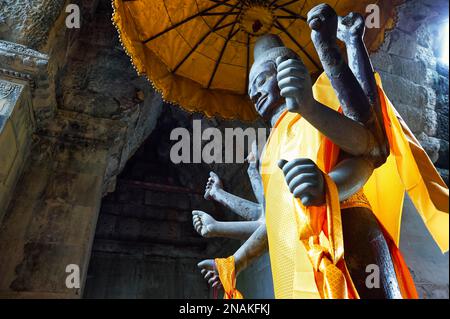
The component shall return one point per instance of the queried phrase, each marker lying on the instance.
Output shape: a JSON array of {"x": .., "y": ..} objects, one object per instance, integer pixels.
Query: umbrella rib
[
  {"x": 283, "y": 29},
  {"x": 287, "y": 17},
  {"x": 176, "y": 25},
  {"x": 285, "y": 4},
  {"x": 216, "y": 66},
  {"x": 292, "y": 13},
  {"x": 198, "y": 44},
  {"x": 222, "y": 3},
  {"x": 215, "y": 28},
  {"x": 219, "y": 13}
]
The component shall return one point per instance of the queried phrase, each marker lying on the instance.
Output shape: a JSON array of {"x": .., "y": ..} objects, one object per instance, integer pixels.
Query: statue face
[{"x": 264, "y": 91}]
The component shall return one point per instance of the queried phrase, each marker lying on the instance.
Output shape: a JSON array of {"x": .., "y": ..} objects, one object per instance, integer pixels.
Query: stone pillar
[
  {"x": 51, "y": 220},
  {"x": 52, "y": 168}
]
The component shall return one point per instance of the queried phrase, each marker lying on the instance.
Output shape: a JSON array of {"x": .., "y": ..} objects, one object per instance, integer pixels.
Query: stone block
[
  {"x": 80, "y": 159},
  {"x": 382, "y": 61},
  {"x": 130, "y": 194},
  {"x": 402, "y": 44},
  {"x": 43, "y": 268},
  {"x": 404, "y": 91},
  {"x": 414, "y": 71},
  {"x": 128, "y": 228},
  {"x": 54, "y": 221},
  {"x": 413, "y": 15},
  {"x": 16, "y": 220},
  {"x": 34, "y": 181},
  {"x": 413, "y": 117},
  {"x": 430, "y": 122},
  {"x": 8, "y": 150},
  {"x": 76, "y": 189},
  {"x": 431, "y": 145}
]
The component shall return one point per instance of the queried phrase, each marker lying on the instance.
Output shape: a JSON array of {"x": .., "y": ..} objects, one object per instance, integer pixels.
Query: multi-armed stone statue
[{"x": 278, "y": 82}]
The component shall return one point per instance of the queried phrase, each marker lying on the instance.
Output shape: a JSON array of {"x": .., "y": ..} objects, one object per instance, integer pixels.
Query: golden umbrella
[{"x": 198, "y": 53}]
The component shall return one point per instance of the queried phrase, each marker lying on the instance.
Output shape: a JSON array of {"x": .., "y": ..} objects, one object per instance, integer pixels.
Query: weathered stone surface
[
  {"x": 413, "y": 76},
  {"x": 402, "y": 44},
  {"x": 50, "y": 222},
  {"x": 402, "y": 90},
  {"x": 431, "y": 145},
  {"x": 415, "y": 71},
  {"x": 29, "y": 22}
]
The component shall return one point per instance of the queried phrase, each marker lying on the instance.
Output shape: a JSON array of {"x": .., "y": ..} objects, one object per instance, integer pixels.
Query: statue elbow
[{"x": 379, "y": 154}]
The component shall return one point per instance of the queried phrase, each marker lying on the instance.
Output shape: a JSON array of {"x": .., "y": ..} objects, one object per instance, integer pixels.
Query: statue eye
[{"x": 262, "y": 81}]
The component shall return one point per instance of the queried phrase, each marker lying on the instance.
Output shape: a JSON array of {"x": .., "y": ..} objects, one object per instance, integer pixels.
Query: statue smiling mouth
[{"x": 261, "y": 102}]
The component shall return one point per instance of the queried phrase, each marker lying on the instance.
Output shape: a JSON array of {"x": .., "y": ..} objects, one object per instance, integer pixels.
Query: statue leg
[{"x": 365, "y": 245}]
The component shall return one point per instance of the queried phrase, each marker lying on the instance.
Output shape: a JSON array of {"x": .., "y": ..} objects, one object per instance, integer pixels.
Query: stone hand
[
  {"x": 305, "y": 180},
  {"x": 212, "y": 186},
  {"x": 209, "y": 272},
  {"x": 203, "y": 223},
  {"x": 295, "y": 84},
  {"x": 323, "y": 21},
  {"x": 350, "y": 27},
  {"x": 253, "y": 157}
]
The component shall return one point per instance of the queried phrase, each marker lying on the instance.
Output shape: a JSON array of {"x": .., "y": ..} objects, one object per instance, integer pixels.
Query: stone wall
[
  {"x": 51, "y": 220},
  {"x": 415, "y": 78},
  {"x": 145, "y": 245},
  {"x": 417, "y": 82}
]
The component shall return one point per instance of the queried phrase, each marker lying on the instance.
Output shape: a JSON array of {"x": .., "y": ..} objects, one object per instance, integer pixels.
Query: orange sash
[{"x": 227, "y": 274}]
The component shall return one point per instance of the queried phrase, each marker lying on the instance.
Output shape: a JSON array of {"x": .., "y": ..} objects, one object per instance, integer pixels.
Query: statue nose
[{"x": 255, "y": 96}]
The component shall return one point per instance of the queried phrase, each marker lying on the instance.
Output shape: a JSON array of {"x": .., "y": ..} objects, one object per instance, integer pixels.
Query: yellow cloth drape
[
  {"x": 306, "y": 262},
  {"x": 227, "y": 274},
  {"x": 408, "y": 168}
]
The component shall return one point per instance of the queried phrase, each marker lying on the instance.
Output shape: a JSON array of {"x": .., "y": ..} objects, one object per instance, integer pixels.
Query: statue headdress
[{"x": 269, "y": 47}]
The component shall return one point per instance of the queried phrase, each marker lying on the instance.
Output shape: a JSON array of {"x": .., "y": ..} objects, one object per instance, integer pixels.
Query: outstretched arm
[
  {"x": 208, "y": 227},
  {"x": 253, "y": 248},
  {"x": 242, "y": 207}
]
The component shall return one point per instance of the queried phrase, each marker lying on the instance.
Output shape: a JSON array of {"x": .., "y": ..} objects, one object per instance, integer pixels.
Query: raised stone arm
[
  {"x": 253, "y": 248},
  {"x": 254, "y": 175},
  {"x": 323, "y": 21},
  {"x": 349, "y": 130},
  {"x": 351, "y": 29},
  {"x": 240, "y": 206},
  {"x": 253, "y": 231}
]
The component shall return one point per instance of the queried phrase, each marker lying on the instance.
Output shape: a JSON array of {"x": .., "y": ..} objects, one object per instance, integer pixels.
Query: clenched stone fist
[{"x": 305, "y": 180}]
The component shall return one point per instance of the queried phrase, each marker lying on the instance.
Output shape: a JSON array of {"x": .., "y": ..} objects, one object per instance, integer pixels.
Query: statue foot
[
  {"x": 351, "y": 27},
  {"x": 204, "y": 224},
  {"x": 213, "y": 185},
  {"x": 208, "y": 270}
]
